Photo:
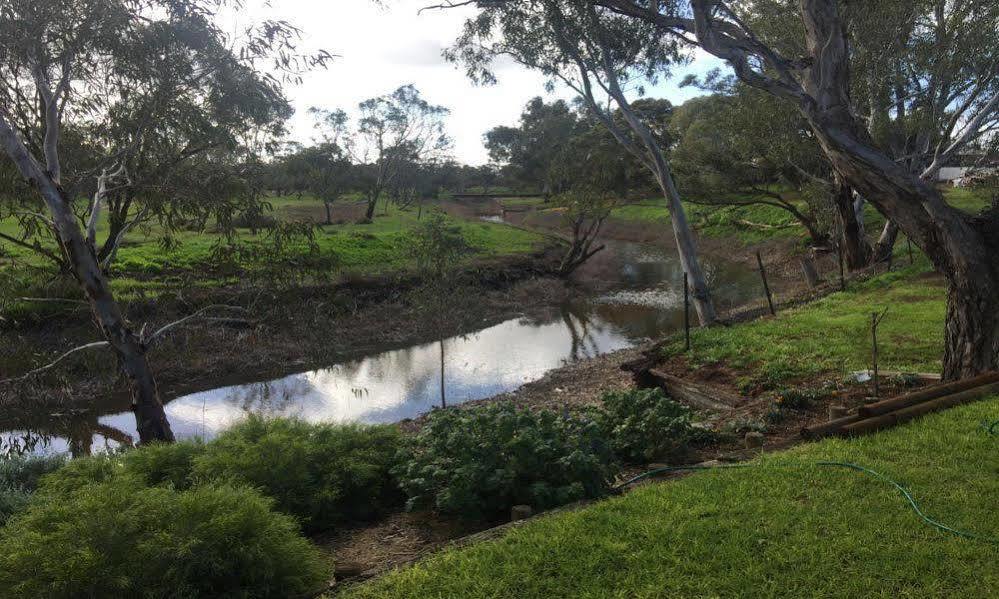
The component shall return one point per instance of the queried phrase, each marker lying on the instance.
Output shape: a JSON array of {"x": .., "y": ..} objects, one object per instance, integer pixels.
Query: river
[{"x": 644, "y": 301}]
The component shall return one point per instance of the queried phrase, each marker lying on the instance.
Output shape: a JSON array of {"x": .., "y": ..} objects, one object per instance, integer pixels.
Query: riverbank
[
  {"x": 279, "y": 332},
  {"x": 804, "y": 376},
  {"x": 291, "y": 329}
]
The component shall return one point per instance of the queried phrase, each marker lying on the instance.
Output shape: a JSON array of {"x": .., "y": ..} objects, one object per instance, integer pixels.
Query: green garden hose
[
  {"x": 912, "y": 502},
  {"x": 990, "y": 428}
]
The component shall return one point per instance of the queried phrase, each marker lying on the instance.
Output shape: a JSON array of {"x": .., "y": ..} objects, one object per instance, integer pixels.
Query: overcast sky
[{"x": 383, "y": 48}]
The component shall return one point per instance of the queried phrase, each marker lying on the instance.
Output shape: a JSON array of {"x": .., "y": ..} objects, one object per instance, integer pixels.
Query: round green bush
[
  {"x": 479, "y": 462},
  {"x": 644, "y": 424},
  {"x": 323, "y": 474},
  {"x": 121, "y": 539}
]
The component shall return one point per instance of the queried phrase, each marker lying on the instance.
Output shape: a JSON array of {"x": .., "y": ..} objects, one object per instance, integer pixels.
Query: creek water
[{"x": 644, "y": 300}]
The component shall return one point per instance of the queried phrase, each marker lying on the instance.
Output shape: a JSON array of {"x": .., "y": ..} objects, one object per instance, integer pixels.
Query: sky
[{"x": 382, "y": 48}]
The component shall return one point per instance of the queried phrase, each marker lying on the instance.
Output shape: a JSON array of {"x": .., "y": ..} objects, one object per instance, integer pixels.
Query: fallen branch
[
  {"x": 50, "y": 300},
  {"x": 152, "y": 339},
  {"x": 94, "y": 345},
  {"x": 764, "y": 226}
]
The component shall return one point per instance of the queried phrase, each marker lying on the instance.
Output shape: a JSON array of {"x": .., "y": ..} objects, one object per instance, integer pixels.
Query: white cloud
[{"x": 381, "y": 48}]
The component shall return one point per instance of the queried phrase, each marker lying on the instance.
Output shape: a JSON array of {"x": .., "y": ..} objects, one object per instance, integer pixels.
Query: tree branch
[
  {"x": 94, "y": 345},
  {"x": 155, "y": 337}
]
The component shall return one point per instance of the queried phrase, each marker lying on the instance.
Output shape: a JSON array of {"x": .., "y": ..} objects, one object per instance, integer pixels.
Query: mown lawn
[
  {"x": 785, "y": 527},
  {"x": 832, "y": 335}
]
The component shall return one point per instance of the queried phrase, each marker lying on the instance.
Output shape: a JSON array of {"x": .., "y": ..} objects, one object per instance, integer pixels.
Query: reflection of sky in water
[{"x": 405, "y": 383}]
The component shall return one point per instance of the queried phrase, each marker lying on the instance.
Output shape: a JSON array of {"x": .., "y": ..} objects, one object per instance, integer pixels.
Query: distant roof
[{"x": 973, "y": 160}]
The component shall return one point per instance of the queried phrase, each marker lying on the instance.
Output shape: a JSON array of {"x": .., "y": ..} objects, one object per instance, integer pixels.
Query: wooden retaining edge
[
  {"x": 911, "y": 399},
  {"x": 926, "y": 377},
  {"x": 831, "y": 427},
  {"x": 876, "y": 423},
  {"x": 692, "y": 394}
]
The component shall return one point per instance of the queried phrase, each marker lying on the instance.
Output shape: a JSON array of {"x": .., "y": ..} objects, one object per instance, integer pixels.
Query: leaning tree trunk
[
  {"x": 971, "y": 334},
  {"x": 150, "y": 418},
  {"x": 856, "y": 249},
  {"x": 885, "y": 245},
  {"x": 962, "y": 248},
  {"x": 151, "y": 421},
  {"x": 686, "y": 246}
]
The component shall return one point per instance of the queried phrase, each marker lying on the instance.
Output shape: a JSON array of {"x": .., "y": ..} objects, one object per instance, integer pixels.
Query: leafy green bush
[
  {"x": 121, "y": 539},
  {"x": 643, "y": 425},
  {"x": 478, "y": 462},
  {"x": 19, "y": 478},
  {"x": 323, "y": 474}
]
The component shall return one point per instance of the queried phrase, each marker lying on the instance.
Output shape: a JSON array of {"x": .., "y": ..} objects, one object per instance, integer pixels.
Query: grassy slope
[
  {"x": 832, "y": 335},
  {"x": 786, "y": 527}
]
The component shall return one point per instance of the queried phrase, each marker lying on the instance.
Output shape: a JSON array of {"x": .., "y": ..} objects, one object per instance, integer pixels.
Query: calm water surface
[{"x": 645, "y": 301}]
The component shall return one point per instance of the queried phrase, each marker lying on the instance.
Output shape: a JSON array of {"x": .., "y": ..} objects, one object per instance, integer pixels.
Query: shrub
[
  {"x": 164, "y": 463},
  {"x": 149, "y": 465},
  {"x": 19, "y": 478},
  {"x": 479, "y": 462},
  {"x": 321, "y": 473},
  {"x": 644, "y": 425},
  {"x": 121, "y": 539}
]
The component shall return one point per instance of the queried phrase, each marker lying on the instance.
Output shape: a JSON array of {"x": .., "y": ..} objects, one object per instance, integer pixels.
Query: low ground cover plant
[
  {"x": 479, "y": 462},
  {"x": 642, "y": 425}
]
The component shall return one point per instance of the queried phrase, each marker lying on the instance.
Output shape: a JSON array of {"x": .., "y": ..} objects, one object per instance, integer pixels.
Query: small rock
[
  {"x": 520, "y": 512},
  {"x": 754, "y": 439}
]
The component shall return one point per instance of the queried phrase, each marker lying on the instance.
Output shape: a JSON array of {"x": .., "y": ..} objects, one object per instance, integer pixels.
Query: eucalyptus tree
[
  {"x": 597, "y": 176},
  {"x": 575, "y": 43},
  {"x": 393, "y": 130},
  {"x": 142, "y": 86},
  {"x": 535, "y": 145},
  {"x": 742, "y": 148},
  {"x": 811, "y": 69},
  {"x": 329, "y": 172}
]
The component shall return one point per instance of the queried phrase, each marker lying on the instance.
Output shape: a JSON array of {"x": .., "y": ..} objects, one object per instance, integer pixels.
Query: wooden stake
[
  {"x": 686, "y": 309},
  {"x": 875, "y": 321},
  {"x": 908, "y": 243},
  {"x": 842, "y": 270},
  {"x": 766, "y": 285},
  {"x": 443, "y": 394}
]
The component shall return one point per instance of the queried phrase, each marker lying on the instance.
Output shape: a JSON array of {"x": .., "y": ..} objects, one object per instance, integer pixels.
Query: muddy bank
[{"x": 282, "y": 331}]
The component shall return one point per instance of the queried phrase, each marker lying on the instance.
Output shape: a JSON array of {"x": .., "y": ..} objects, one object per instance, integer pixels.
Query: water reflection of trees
[
  {"x": 82, "y": 433},
  {"x": 271, "y": 397},
  {"x": 582, "y": 328}
]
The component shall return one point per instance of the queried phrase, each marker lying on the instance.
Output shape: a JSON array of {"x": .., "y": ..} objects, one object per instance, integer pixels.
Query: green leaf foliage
[
  {"x": 479, "y": 462},
  {"x": 643, "y": 425}
]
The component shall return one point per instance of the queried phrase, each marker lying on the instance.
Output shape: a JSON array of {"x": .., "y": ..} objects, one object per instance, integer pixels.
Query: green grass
[
  {"x": 785, "y": 527},
  {"x": 523, "y": 202},
  {"x": 380, "y": 247},
  {"x": 724, "y": 221},
  {"x": 832, "y": 335}
]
